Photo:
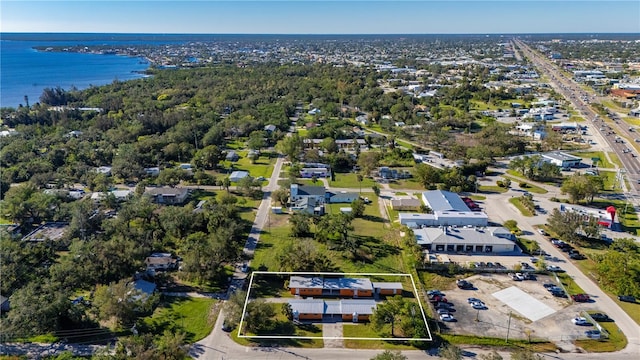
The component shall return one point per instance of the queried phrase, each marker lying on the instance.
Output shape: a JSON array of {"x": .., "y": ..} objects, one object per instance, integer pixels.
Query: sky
[{"x": 321, "y": 17}]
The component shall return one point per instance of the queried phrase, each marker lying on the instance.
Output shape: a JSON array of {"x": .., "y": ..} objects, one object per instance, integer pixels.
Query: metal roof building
[
  {"x": 466, "y": 240},
  {"x": 439, "y": 200},
  {"x": 333, "y": 307}
]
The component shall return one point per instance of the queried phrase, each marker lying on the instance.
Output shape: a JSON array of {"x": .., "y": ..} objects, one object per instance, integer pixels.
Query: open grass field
[
  {"x": 350, "y": 180},
  {"x": 516, "y": 202},
  {"x": 379, "y": 249},
  {"x": 530, "y": 186},
  {"x": 616, "y": 342},
  {"x": 193, "y": 316},
  {"x": 588, "y": 155},
  {"x": 492, "y": 189},
  {"x": 366, "y": 331},
  {"x": 410, "y": 184},
  {"x": 263, "y": 166}
]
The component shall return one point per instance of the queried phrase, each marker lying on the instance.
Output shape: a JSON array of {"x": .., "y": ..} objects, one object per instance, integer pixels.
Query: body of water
[{"x": 25, "y": 71}]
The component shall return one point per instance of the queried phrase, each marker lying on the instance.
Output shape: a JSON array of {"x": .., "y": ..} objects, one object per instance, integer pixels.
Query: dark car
[
  {"x": 627, "y": 298},
  {"x": 577, "y": 256},
  {"x": 226, "y": 327},
  {"x": 463, "y": 284},
  {"x": 601, "y": 317},
  {"x": 580, "y": 297}
]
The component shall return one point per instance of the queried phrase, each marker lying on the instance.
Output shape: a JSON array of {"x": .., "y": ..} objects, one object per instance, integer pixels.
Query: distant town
[{"x": 316, "y": 195}]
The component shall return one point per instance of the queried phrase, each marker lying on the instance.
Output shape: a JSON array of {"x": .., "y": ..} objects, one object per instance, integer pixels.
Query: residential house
[
  {"x": 160, "y": 261},
  {"x": 317, "y": 172},
  {"x": 341, "y": 197},
  {"x": 154, "y": 171},
  {"x": 168, "y": 195},
  {"x": 232, "y": 156},
  {"x": 300, "y": 192},
  {"x": 238, "y": 175},
  {"x": 270, "y": 128},
  {"x": 106, "y": 170}
]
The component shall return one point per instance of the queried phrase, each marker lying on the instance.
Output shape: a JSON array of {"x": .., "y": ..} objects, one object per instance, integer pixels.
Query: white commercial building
[
  {"x": 466, "y": 239},
  {"x": 444, "y": 218}
]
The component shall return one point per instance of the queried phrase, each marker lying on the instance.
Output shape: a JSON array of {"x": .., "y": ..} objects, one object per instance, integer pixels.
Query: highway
[{"x": 579, "y": 99}]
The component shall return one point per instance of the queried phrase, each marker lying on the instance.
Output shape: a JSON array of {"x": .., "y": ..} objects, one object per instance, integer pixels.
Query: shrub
[
  {"x": 523, "y": 185},
  {"x": 500, "y": 183}
]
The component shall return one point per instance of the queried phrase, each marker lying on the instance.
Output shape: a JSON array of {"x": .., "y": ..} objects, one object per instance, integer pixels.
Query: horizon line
[{"x": 399, "y": 33}]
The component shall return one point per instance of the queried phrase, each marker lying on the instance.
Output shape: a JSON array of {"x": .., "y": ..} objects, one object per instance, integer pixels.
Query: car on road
[
  {"x": 447, "y": 318},
  {"x": 601, "y": 317},
  {"x": 580, "y": 321},
  {"x": 627, "y": 298},
  {"x": 542, "y": 232},
  {"x": 580, "y": 297}
]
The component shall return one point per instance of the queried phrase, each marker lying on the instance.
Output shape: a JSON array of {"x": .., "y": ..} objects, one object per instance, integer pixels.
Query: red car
[{"x": 580, "y": 297}]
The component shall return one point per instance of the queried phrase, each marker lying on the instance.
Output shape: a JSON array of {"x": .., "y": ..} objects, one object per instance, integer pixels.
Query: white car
[
  {"x": 580, "y": 321},
  {"x": 554, "y": 268},
  {"x": 447, "y": 317},
  {"x": 478, "y": 305},
  {"x": 542, "y": 232}
]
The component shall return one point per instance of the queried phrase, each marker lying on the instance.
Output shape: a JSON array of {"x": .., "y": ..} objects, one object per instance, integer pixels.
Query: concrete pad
[{"x": 523, "y": 303}]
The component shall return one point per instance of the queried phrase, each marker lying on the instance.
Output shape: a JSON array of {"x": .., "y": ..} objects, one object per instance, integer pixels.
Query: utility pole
[{"x": 508, "y": 328}]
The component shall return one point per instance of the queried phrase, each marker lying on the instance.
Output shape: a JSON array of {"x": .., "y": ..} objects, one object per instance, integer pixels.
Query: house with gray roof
[{"x": 347, "y": 309}]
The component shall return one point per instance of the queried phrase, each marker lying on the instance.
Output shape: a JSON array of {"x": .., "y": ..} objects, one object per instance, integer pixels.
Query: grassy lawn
[
  {"x": 516, "y": 202},
  {"x": 616, "y": 341},
  {"x": 193, "y": 316},
  {"x": 477, "y": 197},
  {"x": 410, "y": 184},
  {"x": 631, "y": 120},
  {"x": 535, "y": 344},
  {"x": 263, "y": 166},
  {"x": 569, "y": 284},
  {"x": 350, "y": 180},
  {"x": 379, "y": 247},
  {"x": 492, "y": 189},
  {"x": 530, "y": 187},
  {"x": 603, "y": 163},
  {"x": 615, "y": 159},
  {"x": 303, "y": 330},
  {"x": 612, "y": 105},
  {"x": 366, "y": 331}
]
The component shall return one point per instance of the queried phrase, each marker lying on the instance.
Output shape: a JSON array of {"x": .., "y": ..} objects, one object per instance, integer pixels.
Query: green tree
[
  {"x": 281, "y": 196},
  {"x": 450, "y": 352},
  {"x": 493, "y": 355},
  {"x": 525, "y": 354},
  {"x": 376, "y": 189},
  {"x": 369, "y": 161},
  {"x": 428, "y": 175},
  {"x": 357, "y": 208},
  {"x": 257, "y": 140},
  {"x": 25, "y": 204},
  {"x": 389, "y": 355},
  {"x": 208, "y": 157},
  {"x": 118, "y": 300},
  {"x": 388, "y": 312},
  {"x": 290, "y": 146},
  {"x": 300, "y": 226}
]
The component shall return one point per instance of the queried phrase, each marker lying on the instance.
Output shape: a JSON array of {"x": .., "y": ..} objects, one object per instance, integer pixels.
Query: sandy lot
[{"x": 493, "y": 321}]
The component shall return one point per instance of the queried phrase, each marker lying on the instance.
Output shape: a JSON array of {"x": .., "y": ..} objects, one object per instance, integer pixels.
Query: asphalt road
[{"x": 576, "y": 96}]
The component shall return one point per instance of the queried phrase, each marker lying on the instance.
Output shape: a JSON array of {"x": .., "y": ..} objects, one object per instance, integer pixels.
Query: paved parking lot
[{"x": 555, "y": 325}]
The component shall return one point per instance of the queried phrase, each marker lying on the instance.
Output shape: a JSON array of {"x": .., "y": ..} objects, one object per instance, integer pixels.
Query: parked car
[
  {"x": 559, "y": 293},
  {"x": 442, "y": 311},
  {"x": 593, "y": 334},
  {"x": 580, "y": 297},
  {"x": 580, "y": 321},
  {"x": 472, "y": 300},
  {"x": 245, "y": 267},
  {"x": 601, "y": 317},
  {"x": 464, "y": 284},
  {"x": 226, "y": 327},
  {"x": 447, "y": 318},
  {"x": 478, "y": 305},
  {"x": 554, "y": 268},
  {"x": 549, "y": 285},
  {"x": 435, "y": 292},
  {"x": 542, "y": 232},
  {"x": 627, "y": 298}
]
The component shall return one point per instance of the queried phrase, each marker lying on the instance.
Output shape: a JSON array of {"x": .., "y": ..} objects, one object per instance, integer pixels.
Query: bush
[
  {"x": 500, "y": 183},
  {"x": 523, "y": 185}
]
